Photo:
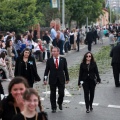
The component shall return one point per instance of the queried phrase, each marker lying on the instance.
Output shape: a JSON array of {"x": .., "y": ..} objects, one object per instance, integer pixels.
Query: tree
[
  {"x": 18, "y": 15},
  {"x": 80, "y": 9}
]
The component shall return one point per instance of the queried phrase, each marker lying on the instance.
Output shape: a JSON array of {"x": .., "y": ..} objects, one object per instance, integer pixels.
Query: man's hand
[
  {"x": 67, "y": 81},
  {"x": 45, "y": 83}
]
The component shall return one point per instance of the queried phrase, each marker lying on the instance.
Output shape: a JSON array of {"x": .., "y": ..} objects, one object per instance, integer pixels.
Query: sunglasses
[{"x": 88, "y": 56}]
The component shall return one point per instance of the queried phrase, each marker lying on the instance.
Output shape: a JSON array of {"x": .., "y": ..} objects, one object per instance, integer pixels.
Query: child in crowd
[{"x": 31, "y": 103}]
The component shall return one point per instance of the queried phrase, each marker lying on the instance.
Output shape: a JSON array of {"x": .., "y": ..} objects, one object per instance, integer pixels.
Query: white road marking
[
  {"x": 66, "y": 93},
  {"x": 41, "y": 98},
  {"x": 66, "y": 101},
  {"x": 113, "y": 106},
  {"x": 95, "y": 104}
]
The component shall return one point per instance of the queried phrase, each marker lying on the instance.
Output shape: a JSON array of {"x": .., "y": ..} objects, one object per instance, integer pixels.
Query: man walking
[
  {"x": 56, "y": 67},
  {"x": 115, "y": 54},
  {"x": 89, "y": 39}
]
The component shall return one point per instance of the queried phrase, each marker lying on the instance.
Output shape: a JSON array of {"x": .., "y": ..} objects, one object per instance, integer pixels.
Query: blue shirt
[
  {"x": 18, "y": 45},
  {"x": 29, "y": 44},
  {"x": 62, "y": 36},
  {"x": 53, "y": 33}
]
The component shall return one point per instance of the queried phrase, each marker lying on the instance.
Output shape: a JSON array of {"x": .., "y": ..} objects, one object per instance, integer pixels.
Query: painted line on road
[
  {"x": 83, "y": 103},
  {"x": 66, "y": 93},
  {"x": 113, "y": 106},
  {"x": 66, "y": 101}
]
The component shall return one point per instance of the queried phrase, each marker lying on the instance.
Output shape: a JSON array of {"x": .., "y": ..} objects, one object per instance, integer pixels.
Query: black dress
[
  {"x": 27, "y": 69},
  {"x": 72, "y": 38},
  {"x": 40, "y": 117},
  {"x": 7, "y": 109}
]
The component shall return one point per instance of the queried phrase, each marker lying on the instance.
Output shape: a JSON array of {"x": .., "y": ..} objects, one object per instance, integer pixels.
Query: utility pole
[
  {"x": 63, "y": 14},
  {"x": 59, "y": 5}
]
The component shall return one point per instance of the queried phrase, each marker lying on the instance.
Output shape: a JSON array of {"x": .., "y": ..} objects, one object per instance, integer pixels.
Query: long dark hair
[
  {"x": 7, "y": 43},
  {"x": 26, "y": 49},
  {"x": 84, "y": 58},
  {"x": 2, "y": 55},
  {"x": 15, "y": 80},
  {"x": 29, "y": 92},
  {"x": 18, "y": 37}
]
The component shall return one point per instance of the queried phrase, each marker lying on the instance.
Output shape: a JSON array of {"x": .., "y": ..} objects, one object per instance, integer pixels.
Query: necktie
[{"x": 56, "y": 63}]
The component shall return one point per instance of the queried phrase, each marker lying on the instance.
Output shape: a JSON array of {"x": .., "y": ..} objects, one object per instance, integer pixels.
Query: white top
[
  {"x": 55, "y": 60},
  {"x": 111, "y": 39},
  {"x": 36, "y": 46},
  {"x": 2, "y": 62}
]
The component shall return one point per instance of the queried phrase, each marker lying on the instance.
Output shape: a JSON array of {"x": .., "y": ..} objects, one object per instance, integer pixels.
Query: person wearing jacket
[
  {"x": 26, "y": 67},
  {"x": 88, "y": 77},
  {"x": 56, "y": 69},
  {"x": 115, "y": 63},
  {"x": 13, "y": 103}
]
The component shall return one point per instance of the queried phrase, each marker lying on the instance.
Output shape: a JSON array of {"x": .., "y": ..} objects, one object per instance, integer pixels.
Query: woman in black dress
[
  {"x": 88, "y": 77},
  {"x": 31, "y": 102},
  {"x": 26, "y": 67}
]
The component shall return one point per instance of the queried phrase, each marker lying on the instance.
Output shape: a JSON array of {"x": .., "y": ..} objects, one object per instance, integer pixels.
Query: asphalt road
[{"x": 107, "y": 96}]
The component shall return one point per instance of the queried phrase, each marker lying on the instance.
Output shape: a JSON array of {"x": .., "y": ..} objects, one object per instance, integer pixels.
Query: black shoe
[
  {"x": 60, "y": 107},
  {"x": 91, "y": 109},
  {"x": 87, "y": 111},
  {"x": 53, "y": 110},
  {"x": 118, "y": 85}
]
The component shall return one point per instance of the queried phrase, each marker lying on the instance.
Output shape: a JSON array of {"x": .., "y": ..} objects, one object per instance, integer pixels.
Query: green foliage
[
  {"x": 80, "y": 9},
  {"x": 18, "y": 15}
]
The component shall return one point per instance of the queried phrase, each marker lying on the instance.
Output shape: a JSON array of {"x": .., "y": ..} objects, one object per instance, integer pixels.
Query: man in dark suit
[
  {"x": 89, "y": 39},
  {"x": 56, "y": 67},
  {"x": 115, "y": 54},
  {"x": 78, "y": 40}
]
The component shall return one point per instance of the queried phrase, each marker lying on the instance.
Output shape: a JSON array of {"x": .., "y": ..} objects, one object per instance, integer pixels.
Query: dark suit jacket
[
  {"x": 89, "y": 37},
  {"x": 33, "y": 76},
  {"x": 93, "y": 73},
  {"x": 61, "y": 72},
  {"x": 115, "y": 54}
]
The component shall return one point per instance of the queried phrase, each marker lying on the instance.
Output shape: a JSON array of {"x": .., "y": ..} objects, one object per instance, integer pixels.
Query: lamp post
[{"x": 63, "y": 14}]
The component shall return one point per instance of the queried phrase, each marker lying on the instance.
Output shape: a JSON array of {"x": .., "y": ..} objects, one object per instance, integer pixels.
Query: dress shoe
[
  {"x": 91, "y": 109},
  {"x": 118, "y": 85},
  {"x": 53, "y": 110},
  {"x": 87, "y": 111},
  {"x": 60, "y": 107}
]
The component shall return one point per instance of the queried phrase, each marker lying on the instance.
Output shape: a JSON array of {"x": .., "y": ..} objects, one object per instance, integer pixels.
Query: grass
[{"x": 102, "y": 59}]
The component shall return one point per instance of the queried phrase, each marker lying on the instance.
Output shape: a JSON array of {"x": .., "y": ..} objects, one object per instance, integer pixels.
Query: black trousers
[
  {"x": 61, "y": 88},
  {"x": 48, "y": 55},
  {"x": 39, "y": 55},
  {"x": 89, "y": 46},
  {"x": 78, "y": 45},
  {"x": 116, "y": 73},
  {"x": 89, "y": 91}
]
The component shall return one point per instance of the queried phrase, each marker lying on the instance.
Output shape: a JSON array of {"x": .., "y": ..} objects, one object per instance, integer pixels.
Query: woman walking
[
  {"x": 88, "y": 78},
  {"x": 26, "y": 67}
]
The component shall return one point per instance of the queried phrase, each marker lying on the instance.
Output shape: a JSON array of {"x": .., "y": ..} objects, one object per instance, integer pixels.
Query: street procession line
[
  {"x": 113, "y": 106},
  {"x": 83, "y": 103},
  {"x": 66, "y": 92}
]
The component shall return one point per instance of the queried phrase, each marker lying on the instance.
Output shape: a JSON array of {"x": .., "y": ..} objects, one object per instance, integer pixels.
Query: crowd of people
[{"x": 22, "y": 52}]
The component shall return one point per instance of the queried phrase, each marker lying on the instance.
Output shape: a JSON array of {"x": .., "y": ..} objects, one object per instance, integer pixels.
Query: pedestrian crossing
[{"x": 70, "y": 102}]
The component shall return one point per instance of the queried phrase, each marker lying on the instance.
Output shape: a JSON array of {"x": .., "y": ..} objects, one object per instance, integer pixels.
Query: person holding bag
[
  {"x": 88, "y": 78},
  {"x": 31, "y": 102}
]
